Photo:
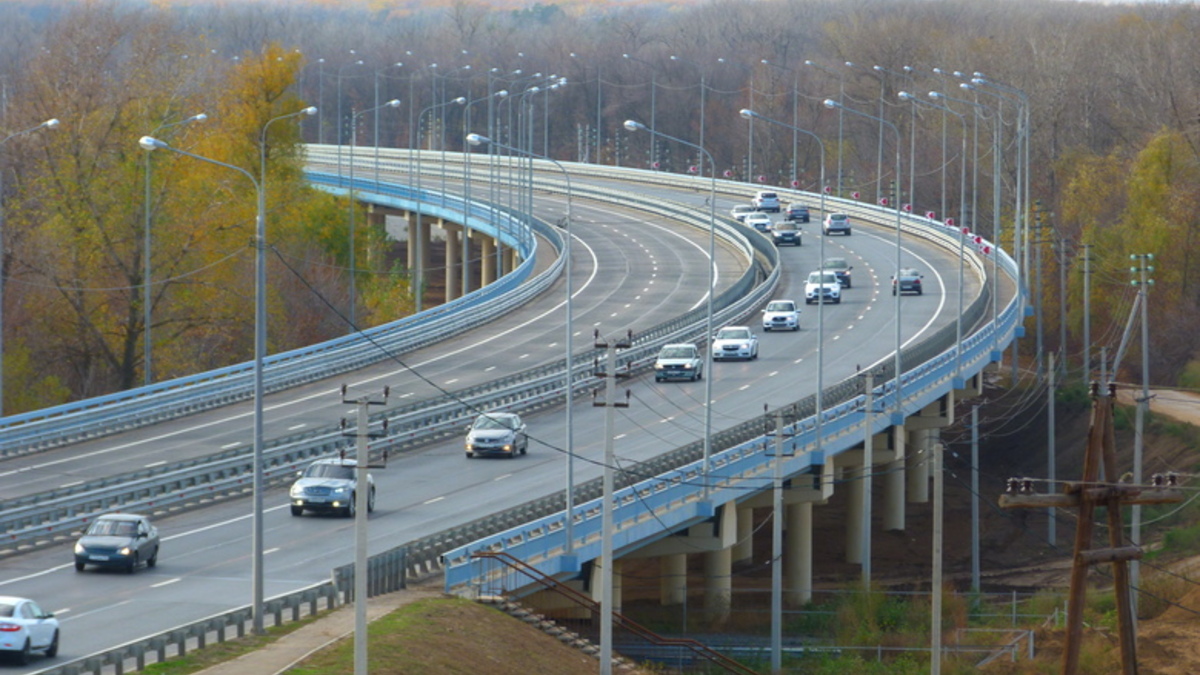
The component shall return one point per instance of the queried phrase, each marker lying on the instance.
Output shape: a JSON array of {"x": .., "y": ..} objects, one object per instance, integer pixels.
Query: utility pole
[
  {"x": 1052, "y": 451},
  {"x": 935, "y": 628},
  {"x": 1088, "y": 495},
  {"x": 777, "y": 549},
  {"x": 867, "y": 468},
  {"x": 363, "y": 503},
  {"x": 1142, "y": 269},
  {"x": 610, "y": 403},
  {"x": 1087, "y": 313}
]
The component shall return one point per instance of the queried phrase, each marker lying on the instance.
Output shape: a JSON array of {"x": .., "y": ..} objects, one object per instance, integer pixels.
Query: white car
[
  {"x": 25, "y": 627},
  {"x": 678, "y": 362},
  {"x": 837, "y": 222},
  {"x": 497, "y": 433},
  {"x": 781, "y": 315},
  {"x": 766, "y": 200},
  {"x": 735, "y": 342},
  {"x": 330, "y": 486},
  {"x": 759, "y": 221},
  {"x": 823, "y": 283},
  {"x": 740, "y": 212}
]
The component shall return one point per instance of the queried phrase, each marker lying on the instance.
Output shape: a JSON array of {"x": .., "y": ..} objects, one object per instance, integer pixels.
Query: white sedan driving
[
  {"x": 735, "y": 342},
  {"x": 25, "y": 628}
]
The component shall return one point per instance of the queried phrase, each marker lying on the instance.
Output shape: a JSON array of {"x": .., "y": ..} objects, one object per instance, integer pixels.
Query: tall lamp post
[
  {"x": 750, "y": 102},
  {"x": 147, "y": 296},
  {"x": 899, "y": 412},
  {"x": 962, "y": 201},
  {"x": 653, "y": 107},
  {"x": 841, "y": 97},
  {"x": 912, "y": 134},
  {"x": 703, "y": 90},
  {"x": 260, "y": 347},
  {"x": 337, "y": 124},
  {"x": 777, "y": 585},
  {"x": 795, "y": 113},
  {"x": 48, "y": 124},
  {"x": 477, "y": 140},
  {"x": 631, "y": 125},
  {"x": 394, "y": 103}
]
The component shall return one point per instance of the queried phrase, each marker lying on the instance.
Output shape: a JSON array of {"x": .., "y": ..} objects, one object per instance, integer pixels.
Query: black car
[
  {"x": 796, "y": 212},
  {"x": 841, "y": 268},
  {"x": 121, "y": 540}
]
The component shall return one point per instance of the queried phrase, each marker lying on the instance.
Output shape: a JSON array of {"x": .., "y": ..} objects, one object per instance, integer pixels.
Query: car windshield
[
  {"x": 818, "y": 278},
  {"x": 676, "y": 353},
  {"x": 835, "y": 263},
  {"x": 785, "y": 226},
  {"x": 781, "y": 306},
  {"x": 766, "y": 195},
  {"x": 734, "y": 334},
  {"x": 490, "y": 422},
  {"x": 342, "y": 471},
  {"x": 113, "y": 528}
]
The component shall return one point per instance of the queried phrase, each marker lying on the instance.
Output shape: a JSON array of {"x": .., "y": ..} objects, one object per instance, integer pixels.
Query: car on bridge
[
  {"x": 907, "y": 281},
  {"x": 837, "y": 223},
  {"x": 759, "y": 221},
  {"x": 766, "y": 200},
  {"x": 735, "y": 342},
  {"x": 787, "y": 233},
  {"x": 796, "y": 211},
  {"x": 330, "y": 485},
  {"x": 25, "y": 628},
  {"x": 841, "y": 268},
  {"x": 822, "y": 284},
  {"x": 679, "y": 362},
  {"x": 740, "y": 212},
  {"x": 497, "y": 433},
  {"x": 781, "y": 315},
  {"x": 120, "y": 540}
]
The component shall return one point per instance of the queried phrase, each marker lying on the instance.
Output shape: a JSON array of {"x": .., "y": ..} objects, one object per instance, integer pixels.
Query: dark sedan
[
  {"x": 121, "y": 540},
  {"x": 796, "y": 212}
]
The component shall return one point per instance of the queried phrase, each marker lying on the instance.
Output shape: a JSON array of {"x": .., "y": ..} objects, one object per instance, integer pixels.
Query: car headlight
[
  {"x": 125, "y": 550},
  {"x": 658, "y": 366},
  {"x": 341, "y": 490},
  {"x": 79, "y": 549}
]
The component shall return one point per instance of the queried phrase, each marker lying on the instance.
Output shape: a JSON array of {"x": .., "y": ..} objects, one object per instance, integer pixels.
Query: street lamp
[
  {"x": 631, "y": 125},
  {"x": 149, "y": 143},
  {"x": 394, "y": 103},
  {"x": 476, "y": 140},
  {"x": 398, "y": 64},
  {"x": 898, "y": 415},
  {"x": 653, "y": 107},
  {"x": 750, "y": 133},
  {"x": 338, "y": 122},
  {"x": 147, "y": 298},
  {"x": 795, "y": 112},
  {"x": 48, "y": 124},
  {"x": 841, "y": 97},
  {"x": 703, "y": 91},
  {"x": 776, "y": 567},
  {"x": 912, "y": 136},
  {"x": 962, "y": 200},
  {"x": 419, "y": 290}
]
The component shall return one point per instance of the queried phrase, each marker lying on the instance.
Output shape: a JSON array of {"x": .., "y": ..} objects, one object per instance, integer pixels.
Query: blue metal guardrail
[
  {"x": 655, "y": 508},
  {"x": 132, "y": 408}
]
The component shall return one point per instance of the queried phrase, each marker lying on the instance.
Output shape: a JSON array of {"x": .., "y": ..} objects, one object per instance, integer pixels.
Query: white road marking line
[
  {"x": 434, "y": 500},
  {"x": 296, "y": 426},
  {"x": 153, "y": 464},
  {"x": 507, "y": 475},
  {"x": 168, "y": 582},
  {"x": 67, "y": 485}
]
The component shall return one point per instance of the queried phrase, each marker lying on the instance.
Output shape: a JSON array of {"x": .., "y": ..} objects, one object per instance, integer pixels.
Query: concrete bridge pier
[
  {"x": 924, "y": 429},
  {"x": 453, "y": 245},
  {"x": 487, "y": 261},
  {"x": 894, "y": 479}
]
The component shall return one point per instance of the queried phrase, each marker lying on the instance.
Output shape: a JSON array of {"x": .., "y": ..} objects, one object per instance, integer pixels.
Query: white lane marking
[
  {"x": 154, "y": 464},
  {"x": 744, "y": 387},
  {"x": 434, "y": 500},
  {"x": 227, "y": 446},
  {"x": 168, "y": 582},
  {"x": 105, "y": 608},
  {"x": 67, "y": 485},
  {"x": 489, "y": 369},
  {"x": 619, "y": 437},
  {"x": 271, "y": 550},
  {"x": 773, "y": 373},
  {"x": 452, "y": 381},
  {"x": 507, "y": 475},
  {"x": 296, "y": 426}
]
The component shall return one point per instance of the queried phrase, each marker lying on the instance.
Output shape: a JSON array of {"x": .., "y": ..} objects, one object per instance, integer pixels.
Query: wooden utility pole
[{"x": 1087, "y": 495}]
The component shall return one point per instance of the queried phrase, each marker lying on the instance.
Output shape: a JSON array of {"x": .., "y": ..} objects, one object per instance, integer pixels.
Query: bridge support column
[
  {"x": 673, "y": 579},
  {"x": 467, "y": 267},
  {"x": 487, "y": 261},
  {"x": 893, "y": 482},
  {"x": 511, "y": 260},
  {"x": 718, "y": 585},
  {"x": 453, "y": 233},
  {"x": 797, "y": 557},
  {"x": 743, "y": 550},
  {"x": 595, "y": 584},
  {"x": 916, "y": 466},
  {"x": 854, "y": 486}
]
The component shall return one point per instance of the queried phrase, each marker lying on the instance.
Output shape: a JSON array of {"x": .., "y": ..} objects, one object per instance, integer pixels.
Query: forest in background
[{"x": 1113, "y": 111}]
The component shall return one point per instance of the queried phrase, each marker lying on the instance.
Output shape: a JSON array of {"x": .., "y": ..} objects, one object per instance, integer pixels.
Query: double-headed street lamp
[
  {"x": 48, "y": 124},
  {"x": 476, "y": 139},
  {"x": 776, "y": 567},
  {"x": 260, "y": 342},
  {"x": 394, "y": 103},
  {"x": 631, "y": 125},
  {"x": 147, "y": 296}
]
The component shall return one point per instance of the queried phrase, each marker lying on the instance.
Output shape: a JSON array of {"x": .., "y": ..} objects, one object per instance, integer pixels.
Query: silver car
[
  {"x": 735, "y": 342},
  {"x": 781, "y": 315},
  {"x": 679, "y": 362},
  {"x": 837, "y": 223},
  {"x": 330, "y": 486},
  {"x": 497, "y": 433}
]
